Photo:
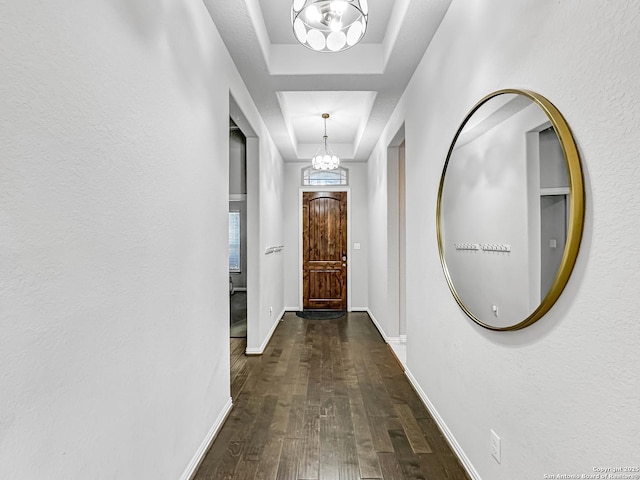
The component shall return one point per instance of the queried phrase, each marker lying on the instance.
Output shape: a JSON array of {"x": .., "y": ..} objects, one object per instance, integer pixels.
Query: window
[
  {"x": 311, "y": 176},
  {"x": 234, "y": 241}
]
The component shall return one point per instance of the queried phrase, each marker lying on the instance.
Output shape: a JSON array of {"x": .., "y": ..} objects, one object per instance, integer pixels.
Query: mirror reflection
[{"x": 504, "y": 212}]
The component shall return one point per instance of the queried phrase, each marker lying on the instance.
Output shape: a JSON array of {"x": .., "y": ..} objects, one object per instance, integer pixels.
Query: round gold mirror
[{"x": 510, "y": 209}]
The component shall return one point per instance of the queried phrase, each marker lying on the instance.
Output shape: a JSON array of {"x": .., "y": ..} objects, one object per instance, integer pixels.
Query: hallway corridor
[{"x": 327, "y": 400}]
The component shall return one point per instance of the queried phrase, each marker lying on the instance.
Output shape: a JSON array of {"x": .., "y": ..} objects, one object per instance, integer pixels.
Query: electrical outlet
[
  {"x": 494, "y": 445},
  {"x": 270, "y": 312}
]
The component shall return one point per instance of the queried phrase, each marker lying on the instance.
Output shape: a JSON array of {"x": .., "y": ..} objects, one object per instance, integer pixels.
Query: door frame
[
  {"x": 323, "y": 188},
  {"x": 252, "y": 226}
]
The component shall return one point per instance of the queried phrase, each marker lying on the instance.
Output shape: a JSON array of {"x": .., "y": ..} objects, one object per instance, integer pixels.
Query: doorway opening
[
  {"x": 554, "y": 207},
  {"x": 396, "y": 251},
  {"x": 237, "y": 231},
  {"x": 548, "y": 185},
  {"x": 554, "y": 217}
]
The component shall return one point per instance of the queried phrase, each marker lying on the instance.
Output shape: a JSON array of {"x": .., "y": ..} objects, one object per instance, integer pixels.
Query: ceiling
[{"x": 292, "y": 86}]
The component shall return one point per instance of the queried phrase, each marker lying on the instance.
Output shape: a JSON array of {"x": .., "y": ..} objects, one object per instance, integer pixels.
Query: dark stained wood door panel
[{"x": 324, "y": 241}]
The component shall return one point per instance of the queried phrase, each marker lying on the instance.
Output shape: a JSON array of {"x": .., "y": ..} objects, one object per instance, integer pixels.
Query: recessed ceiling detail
[
  {"x": 349, "y": 115},
  {"x": 292, "y": 85}
]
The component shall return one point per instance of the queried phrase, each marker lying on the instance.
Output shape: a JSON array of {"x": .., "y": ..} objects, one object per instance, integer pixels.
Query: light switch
[
  {"x": 553, "y": 243},
  {"x": 356, "y": 246}
]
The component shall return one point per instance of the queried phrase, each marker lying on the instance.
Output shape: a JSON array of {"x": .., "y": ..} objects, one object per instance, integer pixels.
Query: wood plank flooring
[{"x": 326, "y": 401}]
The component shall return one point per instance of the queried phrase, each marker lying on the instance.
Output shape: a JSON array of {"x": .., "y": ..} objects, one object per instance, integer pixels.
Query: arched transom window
[{"x": 338, "y": 176}]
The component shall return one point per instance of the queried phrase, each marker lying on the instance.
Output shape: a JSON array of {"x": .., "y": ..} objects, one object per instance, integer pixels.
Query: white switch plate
[
  {"x": 495, "y": 446},
  {"x": 356, "y": 246}
]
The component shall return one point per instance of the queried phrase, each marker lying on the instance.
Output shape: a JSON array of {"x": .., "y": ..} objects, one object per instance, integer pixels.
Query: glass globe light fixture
[
  {"x": 325, "y": 159},
  {"x": 329, "y": 25}
]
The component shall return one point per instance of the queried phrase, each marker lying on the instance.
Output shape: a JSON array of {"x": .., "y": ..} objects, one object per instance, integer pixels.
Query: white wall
[
  {"x": 114, "y": 322},
  {"x": 402, "y": 242},
  {"x": 563, "y": 393},
  {"x": 393, "y": 243},
  {"x": 359, "y": 234},
  {"x": 384, "y": 254},
  {"x": 265, "y": 272}
]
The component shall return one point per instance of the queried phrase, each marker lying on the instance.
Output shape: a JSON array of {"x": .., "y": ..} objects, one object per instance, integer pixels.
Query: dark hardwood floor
[{"x": 326, "y": 400}]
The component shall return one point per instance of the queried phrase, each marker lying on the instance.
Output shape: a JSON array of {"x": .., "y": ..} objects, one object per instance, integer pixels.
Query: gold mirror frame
[{"x": 576, "y": 209}]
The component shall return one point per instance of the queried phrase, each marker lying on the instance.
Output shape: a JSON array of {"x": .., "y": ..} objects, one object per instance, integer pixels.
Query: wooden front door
[{"x": 324, "y": 243}]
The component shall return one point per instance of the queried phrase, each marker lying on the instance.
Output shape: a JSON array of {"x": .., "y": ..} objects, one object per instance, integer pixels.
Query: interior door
[
  {"x": 553, "y": 236},
  {"x": 324, "y": 243}
]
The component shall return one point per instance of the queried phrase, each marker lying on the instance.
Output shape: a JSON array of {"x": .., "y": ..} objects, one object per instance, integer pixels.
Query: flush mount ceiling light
[
  {"x": 325, "y": 160},
  {"x": 329, "y": 25}
]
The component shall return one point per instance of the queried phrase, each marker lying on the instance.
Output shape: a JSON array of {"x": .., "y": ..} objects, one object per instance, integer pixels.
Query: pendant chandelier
[
  {"x": 329, "y": 25},
  {"x": 325, "y": 160}
]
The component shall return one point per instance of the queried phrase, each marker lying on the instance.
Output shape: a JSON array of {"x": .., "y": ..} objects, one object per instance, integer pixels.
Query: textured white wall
[
  {"x": 113, "y": 236},
  {"x": 563, "y": 393},
  {"x": 359, "y": 233}
]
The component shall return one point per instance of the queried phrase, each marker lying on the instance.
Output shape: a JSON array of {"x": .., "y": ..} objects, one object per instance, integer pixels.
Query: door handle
[
  {"x": 344, "y": 258},
  {"x": 344, "y": 264}
]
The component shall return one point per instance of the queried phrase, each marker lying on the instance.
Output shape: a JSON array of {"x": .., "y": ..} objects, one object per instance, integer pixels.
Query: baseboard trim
[
  {"x": 359, "y": 309},
  {"x": 453, "y": 443},
  {"x": 398, "y": 346},
  {"x": 292, "y": 309},
  {"x": 375, "y": 322},
  {"x": 397, "y": 343},
  {"x": 261, "y": 349},
  {"x": 195, "y": 462}
]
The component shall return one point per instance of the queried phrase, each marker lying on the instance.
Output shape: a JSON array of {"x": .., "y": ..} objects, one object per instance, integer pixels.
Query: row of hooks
[
  {"x": 276, "y": 249},
  {"x": 486, "y": 247}
]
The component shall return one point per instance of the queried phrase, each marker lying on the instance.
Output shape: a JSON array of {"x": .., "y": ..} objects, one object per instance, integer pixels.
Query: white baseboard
[
  {"x": 260, "y": 350},
  {"x": 453, "y": 443},
  {"x": 359, "y": 309},
  {"x": 375, "y": 322},
  {"x": 195, "y": 462},
  {"x": 389, "y": 340},
  {"x": 398, "y": 346},
  {"x": 293, "y": 309}
]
